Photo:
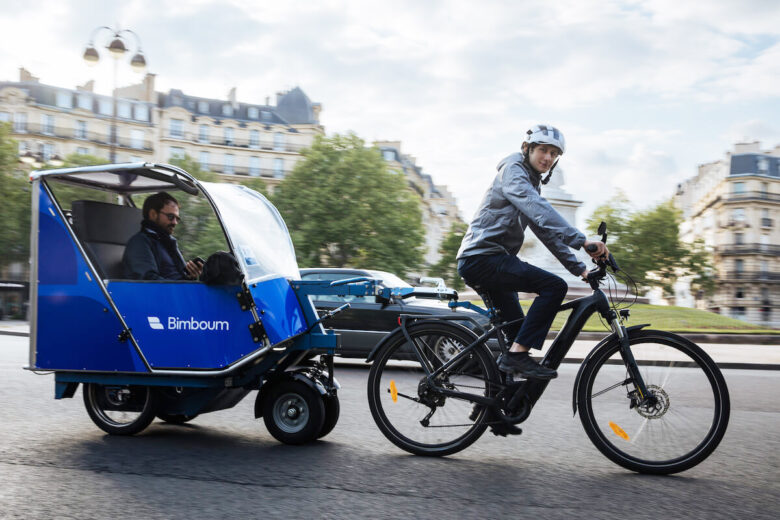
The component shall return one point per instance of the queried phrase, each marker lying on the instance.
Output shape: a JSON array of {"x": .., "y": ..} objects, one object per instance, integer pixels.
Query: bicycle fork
[{"x": 628, "y": 359}]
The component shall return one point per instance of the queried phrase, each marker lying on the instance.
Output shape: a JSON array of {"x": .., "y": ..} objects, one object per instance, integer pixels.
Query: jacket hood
[{"x": 510, "y": 159}]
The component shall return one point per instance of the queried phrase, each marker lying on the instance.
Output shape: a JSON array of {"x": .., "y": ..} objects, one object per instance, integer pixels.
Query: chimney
[
  {"x": 24, "y": 75},
  {"x": 279, "y": 96},
  {"x": 232, "y": 98},
  {"x": 267, "y": 100},
  {"x": 148, "y": 86},
  {"x": 316, "y": 108},
  {"x": 747, "y": 147},
  {"x": 89, "y": 86}
]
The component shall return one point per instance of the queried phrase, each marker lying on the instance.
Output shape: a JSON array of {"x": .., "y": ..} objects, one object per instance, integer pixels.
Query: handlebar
[{"x": 600, "y": 272}]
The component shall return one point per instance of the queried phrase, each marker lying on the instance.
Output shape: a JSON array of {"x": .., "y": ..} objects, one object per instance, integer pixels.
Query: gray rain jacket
[{"x": 512, "y": 203}]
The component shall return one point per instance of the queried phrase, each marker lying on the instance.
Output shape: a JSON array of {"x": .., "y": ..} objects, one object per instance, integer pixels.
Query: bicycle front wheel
[
  {"x": 682, "y": 422},
  {"x": 409, "y": 410}
]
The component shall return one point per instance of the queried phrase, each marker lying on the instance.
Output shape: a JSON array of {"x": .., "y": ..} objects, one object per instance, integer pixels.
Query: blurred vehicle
[{"x": 369, "y": 318}]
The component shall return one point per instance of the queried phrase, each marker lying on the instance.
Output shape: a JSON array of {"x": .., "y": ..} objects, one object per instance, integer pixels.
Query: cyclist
[{"x": 487, "y": 259}]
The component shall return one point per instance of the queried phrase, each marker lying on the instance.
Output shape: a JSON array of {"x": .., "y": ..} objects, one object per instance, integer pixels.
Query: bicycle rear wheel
[
  {"x": 409, "y": 411},
  {"x": 680, "y": 426}
]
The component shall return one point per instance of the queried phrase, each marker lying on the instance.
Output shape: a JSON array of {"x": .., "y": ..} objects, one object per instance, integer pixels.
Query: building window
[
  {"x": 203, "y": 107},
  {"x": 176, "y": 128},
  {"x": 177, "y": 152},
  {"x": 123, "y": 109},
  {"x": 5, "y": 117},
  {"x": 227, "y": 110},
  {"x": 739, "y": 238},
  {"x": 765, "y": 220},
  {"x": 279, "y": 141},
  {"x": 738, "y": 214},
  {"x": 254, "y": 138},
  {"x": 254, "y": 166},
  {"x": 389, "y": 155},
  {"x": 106, "y": 107},
  {"x": 229, "y": 136},
  {"x": 265, "y": 115},
  {"x": 764, "y": 188},
  {"x": 82, "y": 150},
  {"x": 764, "y": 267},
  {"x": 203, "y": 133},
  {"x": 47, "y": 124},
  {"x": 739, "y": 187},
  {"x": 64, "y": 100},
  {"x": 253, "y": 112},
  {"x": 81, "y": 130},
  {"x": 765, "y": 296},
  {"x": 47, "y": 150},
  {"x": 228, "y": 163},
  {"x": 738, "y": 313},
  {"x": 141, "y": 112},
  {"x": 137, "y": 139},
  {"x": 739, "y": 265},
  {"x": 278, "y": 168},
  {"x": 205, "y": 161},
  {"x": 85, "y": 101},
  {"x": 763, "y": 165},
  {"x": 20, "y": 122},
  {"x": 740, "y": 293}
]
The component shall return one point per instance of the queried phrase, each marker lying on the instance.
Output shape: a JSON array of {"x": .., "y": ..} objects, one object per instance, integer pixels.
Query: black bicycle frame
[{"x": 582, "y": 309}]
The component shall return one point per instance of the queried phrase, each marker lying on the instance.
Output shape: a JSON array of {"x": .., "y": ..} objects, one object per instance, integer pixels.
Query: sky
[{"x": 644, "y": 90}]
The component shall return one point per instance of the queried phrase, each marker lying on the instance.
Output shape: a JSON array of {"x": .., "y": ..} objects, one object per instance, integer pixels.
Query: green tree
[
  {"x": 647, "y": 245},
  {"x": 199, "y": 233},
  {"x": 344, "y": 208},
  {"x": 14, "y": 202},
  {"x": 447, "y": 266}
]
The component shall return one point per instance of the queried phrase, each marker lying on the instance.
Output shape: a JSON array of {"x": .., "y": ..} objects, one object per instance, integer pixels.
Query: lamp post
[{"x": 117, "y": 48}]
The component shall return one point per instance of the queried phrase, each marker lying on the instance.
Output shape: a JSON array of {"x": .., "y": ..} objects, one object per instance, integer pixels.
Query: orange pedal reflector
[
  {"x": 393, "y": 391},
  {"x": 618, "y": 431}
]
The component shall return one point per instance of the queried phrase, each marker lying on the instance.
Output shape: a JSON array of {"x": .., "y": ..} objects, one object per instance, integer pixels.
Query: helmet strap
[{"x": 549, "y": 174}]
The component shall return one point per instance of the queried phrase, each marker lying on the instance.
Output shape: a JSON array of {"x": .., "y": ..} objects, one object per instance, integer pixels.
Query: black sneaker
[{"x": 524, "y": 365}]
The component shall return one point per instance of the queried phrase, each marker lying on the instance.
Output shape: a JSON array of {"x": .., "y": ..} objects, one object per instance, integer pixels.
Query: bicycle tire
[
  {"x": 399, "y": 418},
  {"x": 684, "y": 425}
]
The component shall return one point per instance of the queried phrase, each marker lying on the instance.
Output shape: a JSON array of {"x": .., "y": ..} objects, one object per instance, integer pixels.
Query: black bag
[{"x": 221, "y": 268}]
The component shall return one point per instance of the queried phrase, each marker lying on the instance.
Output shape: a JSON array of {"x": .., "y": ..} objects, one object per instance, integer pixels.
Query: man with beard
[{"x": 153, "y": 253}]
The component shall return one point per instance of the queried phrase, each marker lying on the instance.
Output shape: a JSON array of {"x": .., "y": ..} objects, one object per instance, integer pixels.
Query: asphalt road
[{"x": 54, "y": 463}]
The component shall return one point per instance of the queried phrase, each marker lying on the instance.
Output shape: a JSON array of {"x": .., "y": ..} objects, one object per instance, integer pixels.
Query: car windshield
[
  {"x": 389, "y": 279},
  {"x": 257, "y": 231}
]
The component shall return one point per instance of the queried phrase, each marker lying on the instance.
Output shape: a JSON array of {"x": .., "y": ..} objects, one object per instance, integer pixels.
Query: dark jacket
[
  {"x": 513, "y": 202},
  {"x": 153, "y": 254}
]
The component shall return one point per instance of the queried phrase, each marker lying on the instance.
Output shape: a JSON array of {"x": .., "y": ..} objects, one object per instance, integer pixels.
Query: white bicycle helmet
[{"x": 546, "y": 134}]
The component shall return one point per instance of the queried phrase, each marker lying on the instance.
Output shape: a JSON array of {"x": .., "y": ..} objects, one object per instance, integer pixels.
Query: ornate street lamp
[{"x": 117, "y": 48}]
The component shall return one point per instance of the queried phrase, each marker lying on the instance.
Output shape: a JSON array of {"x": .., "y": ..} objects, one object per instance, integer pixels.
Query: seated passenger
[{"x": 153, "y": 253}]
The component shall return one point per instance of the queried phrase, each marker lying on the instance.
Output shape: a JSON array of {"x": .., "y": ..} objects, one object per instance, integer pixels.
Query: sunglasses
[{"x": 172, "y": 216}]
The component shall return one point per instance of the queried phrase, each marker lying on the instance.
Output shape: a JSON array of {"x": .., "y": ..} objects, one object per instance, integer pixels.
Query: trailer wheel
[
  {"x": 293, "y": 412},
  {"x": 332, "y": 410},
  {"x": 119, "y": 409}
]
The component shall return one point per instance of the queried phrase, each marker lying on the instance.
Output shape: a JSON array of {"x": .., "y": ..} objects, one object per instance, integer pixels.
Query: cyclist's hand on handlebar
[{"x": 596, "y": 249}]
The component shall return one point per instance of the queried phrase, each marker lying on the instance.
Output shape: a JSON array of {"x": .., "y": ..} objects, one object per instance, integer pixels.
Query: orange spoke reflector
[
  {"x": 393, "y": 391},
  {"x": 618, "y": 430}
]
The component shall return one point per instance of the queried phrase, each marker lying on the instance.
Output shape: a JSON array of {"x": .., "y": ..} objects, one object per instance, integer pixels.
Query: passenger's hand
[
  {"x": 584, "y": 275},
  {"x": 193, "y": 269},
  {"x": 599, "y": 251}
]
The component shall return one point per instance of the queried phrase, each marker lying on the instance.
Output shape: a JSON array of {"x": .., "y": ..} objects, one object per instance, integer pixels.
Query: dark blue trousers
[{"x": 501, "y": 277}]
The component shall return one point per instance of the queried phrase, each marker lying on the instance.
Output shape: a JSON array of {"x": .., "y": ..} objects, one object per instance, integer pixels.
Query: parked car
[{"x": 367, "y": 320}]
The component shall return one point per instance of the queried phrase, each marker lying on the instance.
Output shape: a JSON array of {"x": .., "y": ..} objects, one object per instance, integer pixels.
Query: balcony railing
[
  {"x": 766, "y": 222},
  {"x": 747, "y": 249},
  {"x": 753, "y": 195},
  {"x": 235, "y": 142},
  {"x": 244, "y": 171},
  {"x": 753, "y": 276},
  {"x": 80, "y": 135}
]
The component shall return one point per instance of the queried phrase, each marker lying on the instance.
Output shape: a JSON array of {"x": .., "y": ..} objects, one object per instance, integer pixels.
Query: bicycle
[{"x": 649, "y": 400}]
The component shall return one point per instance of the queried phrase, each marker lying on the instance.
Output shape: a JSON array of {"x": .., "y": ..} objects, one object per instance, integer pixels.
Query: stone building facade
[
  {"x": 732, "y": 204},
  {"x": 440, "y": 210},
  {"x": 226, "y": 136}
]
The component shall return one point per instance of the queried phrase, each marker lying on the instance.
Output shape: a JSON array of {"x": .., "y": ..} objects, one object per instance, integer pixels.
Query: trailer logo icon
[{"x": 154, "y": 322}]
